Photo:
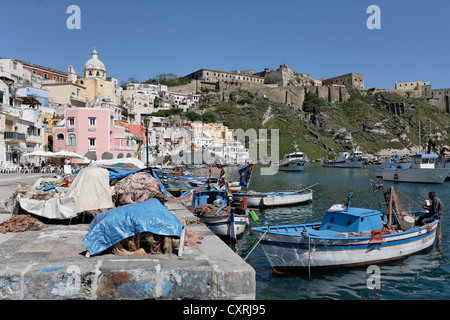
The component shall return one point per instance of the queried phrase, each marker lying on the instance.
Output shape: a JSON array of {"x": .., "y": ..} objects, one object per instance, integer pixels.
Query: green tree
[
  {"x": 312, "y": 102},
  {"x": 168, "y": 79},
  {"x": 209, "y": 117}
]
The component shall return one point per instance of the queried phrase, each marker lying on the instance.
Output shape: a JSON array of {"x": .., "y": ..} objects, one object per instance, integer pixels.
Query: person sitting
[{"x": 434, "y": 211}]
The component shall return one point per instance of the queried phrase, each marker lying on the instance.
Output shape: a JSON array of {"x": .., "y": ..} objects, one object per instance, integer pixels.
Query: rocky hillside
[{"x": 377, "y": 124}]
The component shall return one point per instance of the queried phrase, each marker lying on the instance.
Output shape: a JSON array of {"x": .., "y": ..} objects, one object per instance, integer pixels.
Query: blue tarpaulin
[{"x": 115, "y": 225}]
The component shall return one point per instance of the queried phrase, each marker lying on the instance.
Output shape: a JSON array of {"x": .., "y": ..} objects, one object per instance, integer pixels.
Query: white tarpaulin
[
  {"x": 59, "y": 206},
  {"x": 138, "y": 163},
  {"x": 89, "y": 190}
]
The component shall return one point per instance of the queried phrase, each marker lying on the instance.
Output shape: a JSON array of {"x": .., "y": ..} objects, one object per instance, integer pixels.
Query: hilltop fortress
[{"x": 286, "y": 86}]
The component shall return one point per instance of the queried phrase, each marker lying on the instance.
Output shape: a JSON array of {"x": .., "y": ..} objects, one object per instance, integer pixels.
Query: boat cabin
[
  {"x": 424, "y": 161},
  {"x": 341, "y": 218},
  {"x": 295, "y": 155},
  {"x": 208, "y": 197}
]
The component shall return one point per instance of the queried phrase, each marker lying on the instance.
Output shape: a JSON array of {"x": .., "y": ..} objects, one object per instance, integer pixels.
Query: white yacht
[{"x": 294, "y": 161}]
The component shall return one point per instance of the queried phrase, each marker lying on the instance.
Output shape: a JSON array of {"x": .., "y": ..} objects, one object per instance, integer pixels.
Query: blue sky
[{"x": 324, "y": 38}]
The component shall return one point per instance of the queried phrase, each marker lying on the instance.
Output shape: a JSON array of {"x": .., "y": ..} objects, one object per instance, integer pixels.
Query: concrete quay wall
[{"x": 51, "y": 264}]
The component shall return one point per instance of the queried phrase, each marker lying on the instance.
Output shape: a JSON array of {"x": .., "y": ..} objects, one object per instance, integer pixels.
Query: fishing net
[
  {"x": 210, "y": 210},
  {"x": 21, "y": 223},
  {"x": 137, "y": 187},
  {"x": 149, "y": 243}
]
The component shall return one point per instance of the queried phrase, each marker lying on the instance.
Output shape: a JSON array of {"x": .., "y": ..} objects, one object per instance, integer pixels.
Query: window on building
[
  {"x": 92, "y": 123},
  {"x": 92, "y": 143},
  {"x": 90, "y": 73},
  {"x": 45, "y": 76},
  {"x": 71, "y": 122},
  {"x": 98, "y": 74},
  {"x": 71, "y": 139},
  {"x": 54, "y": 78}
]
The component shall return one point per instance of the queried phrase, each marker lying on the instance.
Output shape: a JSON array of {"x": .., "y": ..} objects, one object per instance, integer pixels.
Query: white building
[{"x": 21, "y": 98}]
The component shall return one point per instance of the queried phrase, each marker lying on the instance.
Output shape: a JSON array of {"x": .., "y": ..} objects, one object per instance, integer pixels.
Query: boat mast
[{"x": 419, "y": 139}]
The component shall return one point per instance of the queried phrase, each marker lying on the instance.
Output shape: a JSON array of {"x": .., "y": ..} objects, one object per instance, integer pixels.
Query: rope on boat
[{"x": 257, "y": 242}]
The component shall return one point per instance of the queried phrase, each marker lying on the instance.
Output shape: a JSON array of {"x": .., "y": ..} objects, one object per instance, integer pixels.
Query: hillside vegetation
[{"x": 363, "y": 121}]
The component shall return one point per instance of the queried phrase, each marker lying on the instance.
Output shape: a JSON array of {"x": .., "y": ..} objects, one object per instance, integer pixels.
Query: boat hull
[
  {"x": 416, "y": 175},
  {"x": 254, "y": 200},
  {"x": 274, "y": 199},
  {"x": 222, "y": 225},
  {"x": 288, "y": 250},
  {"x": 352, "y": 162},
  {"x": 287, "y": 199},
  {"x": 293, "y": 165}
]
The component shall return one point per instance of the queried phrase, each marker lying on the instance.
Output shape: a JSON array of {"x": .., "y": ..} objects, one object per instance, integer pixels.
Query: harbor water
[{"x": 425, "y": 275}]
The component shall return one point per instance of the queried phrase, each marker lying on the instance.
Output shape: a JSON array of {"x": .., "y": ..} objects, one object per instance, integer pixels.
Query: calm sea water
[{"x": 425, "y": 275}]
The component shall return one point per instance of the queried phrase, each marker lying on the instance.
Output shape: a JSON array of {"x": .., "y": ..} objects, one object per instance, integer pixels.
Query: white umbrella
[
  {"x": 40, "y": 153},
  {"x": 67, "y": 154}
]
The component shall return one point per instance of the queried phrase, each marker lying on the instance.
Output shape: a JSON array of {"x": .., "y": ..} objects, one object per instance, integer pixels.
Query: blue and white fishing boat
[
  {"x": 346, "y": 237},
  {"x": 227, "y": 220},
  {"x": 422, "y": 170}
]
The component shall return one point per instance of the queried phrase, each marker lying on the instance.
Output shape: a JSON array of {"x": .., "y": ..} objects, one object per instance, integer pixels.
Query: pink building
[{"x": 91, "y": 132}]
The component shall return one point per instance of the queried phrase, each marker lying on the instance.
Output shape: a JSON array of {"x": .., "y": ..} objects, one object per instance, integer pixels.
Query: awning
[{"x": 29, "y": 100}]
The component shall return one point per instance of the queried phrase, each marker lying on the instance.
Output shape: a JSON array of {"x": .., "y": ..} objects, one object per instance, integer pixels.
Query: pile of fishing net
[
  {"x": 20, "y": 223},
  {"x": 136, "y": 188},
  {"x": 149, "y": 243},
  {"x": 208, "y": 210}
]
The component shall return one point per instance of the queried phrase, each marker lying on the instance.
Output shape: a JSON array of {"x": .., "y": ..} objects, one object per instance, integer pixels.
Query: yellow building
[
  {"x": 96, "y": 83},
  {"x": 66, "y": 93}
]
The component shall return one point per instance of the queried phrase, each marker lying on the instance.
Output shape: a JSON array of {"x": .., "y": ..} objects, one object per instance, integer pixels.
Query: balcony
[
  {"x": 14, "y": 136},
  {"x": 33, "y": 139}
]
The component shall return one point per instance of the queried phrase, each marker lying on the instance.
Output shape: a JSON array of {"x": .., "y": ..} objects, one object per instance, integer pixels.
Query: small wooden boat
[
  {"x": 287, "y": 198},
  {"x": 215, "y": 210},
  {"x": 346, "y": 237},
  {"x": 277, "y": 198}
]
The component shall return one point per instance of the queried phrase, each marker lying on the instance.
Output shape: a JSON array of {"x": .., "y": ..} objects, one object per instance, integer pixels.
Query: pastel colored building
[{"x": 92, "y": 133}]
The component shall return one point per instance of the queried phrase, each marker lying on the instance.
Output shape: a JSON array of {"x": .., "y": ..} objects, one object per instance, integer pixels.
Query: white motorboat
[
  {"x": 345, "y": 160},
  {"x": 294, "y": 161},
  {"x": 423, "y": 170}
]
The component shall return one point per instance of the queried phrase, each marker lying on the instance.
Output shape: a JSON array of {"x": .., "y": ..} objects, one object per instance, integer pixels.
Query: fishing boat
[
  {"x": 346, "y": 237},
  {"x": 275, "y": 199},
  {"x": 215, "y": 210},
  {"x": 423, "y": 170},
  {"x": 396, "y": 162},
  {"x": 345, "y": 160},
  {"x": 177, "y": 191}
]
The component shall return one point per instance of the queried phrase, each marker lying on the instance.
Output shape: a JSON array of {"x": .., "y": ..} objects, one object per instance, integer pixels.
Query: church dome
[{"x": 93, "y": 65}]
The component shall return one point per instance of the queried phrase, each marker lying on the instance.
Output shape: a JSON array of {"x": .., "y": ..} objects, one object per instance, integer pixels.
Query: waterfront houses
[{"x": 92, "y": 133}]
